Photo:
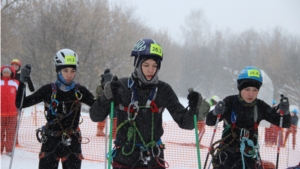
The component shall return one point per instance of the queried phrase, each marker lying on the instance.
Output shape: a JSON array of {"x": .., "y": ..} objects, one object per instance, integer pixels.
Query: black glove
[
  {"x": 117, "y": 91},
  {"x": 106, "y": 77},
  {"x": 25, "y": 73},
  {"x": 284, "y": 105},
  {"x": 195, "y": 100},
  {"x": 219, "y": 108}
]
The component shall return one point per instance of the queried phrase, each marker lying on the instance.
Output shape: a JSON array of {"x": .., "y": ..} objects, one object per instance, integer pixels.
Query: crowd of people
[{"x": 139, "y": 101}]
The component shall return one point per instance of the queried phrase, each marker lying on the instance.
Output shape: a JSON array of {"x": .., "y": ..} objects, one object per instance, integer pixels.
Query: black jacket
[
  {"x": 44, "y": 93},
  {"x": 165, "y": 98},
  {"x": 245, "y": 117}
]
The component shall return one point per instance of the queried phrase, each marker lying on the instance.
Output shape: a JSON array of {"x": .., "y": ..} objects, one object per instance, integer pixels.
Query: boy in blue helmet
[
  {"x": 293, "y": 128},
  {"x": 140, "y": 100},
  {"x": 241, "y": 114}
]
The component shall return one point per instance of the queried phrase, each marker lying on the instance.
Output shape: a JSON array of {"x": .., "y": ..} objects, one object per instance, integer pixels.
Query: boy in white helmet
[{"x": 60, "y": 136}]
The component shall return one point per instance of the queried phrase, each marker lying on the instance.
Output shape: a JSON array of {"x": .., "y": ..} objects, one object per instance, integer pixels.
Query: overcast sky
[{"x": 234, "y": 15}]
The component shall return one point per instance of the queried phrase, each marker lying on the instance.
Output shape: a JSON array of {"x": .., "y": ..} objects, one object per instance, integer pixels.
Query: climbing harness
[
  {"x": 146, "y": 149},
  {"x": 247, "y": 146},
  {"x": 53, "y": 117}
]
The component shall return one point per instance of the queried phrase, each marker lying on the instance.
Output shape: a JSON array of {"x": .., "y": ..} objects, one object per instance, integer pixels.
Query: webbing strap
[{"x": 255, "y": 117}]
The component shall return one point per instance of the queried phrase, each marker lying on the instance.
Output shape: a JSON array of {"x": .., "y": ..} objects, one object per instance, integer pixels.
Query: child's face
[
  {"x": 249, "y": 94},
  {"x": 149, "y": 68},
  {"x": 5, "y": 74},
  {"x": 68, "y": 74},
  {"x": 16, "y": 67}
]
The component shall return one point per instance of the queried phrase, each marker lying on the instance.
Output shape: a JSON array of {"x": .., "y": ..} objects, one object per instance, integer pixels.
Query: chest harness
[
  {"x": 53, "y": 117},
  {"x": 247, "y": 147},
  {"x": 133, "y": 131}
]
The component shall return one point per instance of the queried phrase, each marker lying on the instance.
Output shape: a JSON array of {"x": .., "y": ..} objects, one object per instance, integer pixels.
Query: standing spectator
[
  {"x": 206, "y": 106},
  {"x": 241, "y": 113},
  {"x": 60, "y": 136},
  {"x": 16, "y": 63},
  {"x": 213, "y": 101},
  {"x": 293, "y": 128},
  {"x": 106, "y": 77},
  {"x": 139, "y": 102},
  {"x": 274, "y": 132},
  {"x": 271, "y": 133},
  {"x": 9, "y": 115}
]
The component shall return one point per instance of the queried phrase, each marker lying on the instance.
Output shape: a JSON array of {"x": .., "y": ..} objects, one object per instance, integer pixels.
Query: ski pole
[
  {"x": 212, "y": 139},
  {"x": 17, "y": 128},
  {"x": 281, "y": 112},
  {"x": 110, "y": 134},
  {"x": 196, "y": 134},
  {"x": 105, "y": 159},
  {"x": 197, "y": 142}
]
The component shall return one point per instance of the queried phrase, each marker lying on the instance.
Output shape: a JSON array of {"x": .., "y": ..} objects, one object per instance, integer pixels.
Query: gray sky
[{"x": 234, "y": 15}]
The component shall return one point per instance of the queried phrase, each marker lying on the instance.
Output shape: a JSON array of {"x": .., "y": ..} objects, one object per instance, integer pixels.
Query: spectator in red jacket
[{"x": 9, "y": 115}]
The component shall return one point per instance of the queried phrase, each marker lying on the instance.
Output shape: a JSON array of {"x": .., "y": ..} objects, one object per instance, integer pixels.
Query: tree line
[{"x": 103, "y": 37}]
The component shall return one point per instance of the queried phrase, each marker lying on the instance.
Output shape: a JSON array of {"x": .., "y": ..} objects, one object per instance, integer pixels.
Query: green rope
[{"x": 131, "y": 135}]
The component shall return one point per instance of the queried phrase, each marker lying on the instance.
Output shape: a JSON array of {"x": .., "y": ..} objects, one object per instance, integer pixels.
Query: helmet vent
[{"x": 62, "y": 54}]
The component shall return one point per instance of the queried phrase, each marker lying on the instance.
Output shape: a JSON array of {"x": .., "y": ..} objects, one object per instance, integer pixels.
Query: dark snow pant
[
  {"x": 137, "y": 164},
  {"x": 118, "y": 165},
  {"x": 53, "y": 151},
  {"x": 52, "y": 162}
]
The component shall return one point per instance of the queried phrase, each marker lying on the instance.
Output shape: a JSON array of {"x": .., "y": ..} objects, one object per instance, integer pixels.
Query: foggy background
[{"x": 103, "y": 35}]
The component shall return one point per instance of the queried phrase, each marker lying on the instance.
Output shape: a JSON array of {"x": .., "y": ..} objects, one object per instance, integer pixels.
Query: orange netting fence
[{"x": 180, "y": 144}]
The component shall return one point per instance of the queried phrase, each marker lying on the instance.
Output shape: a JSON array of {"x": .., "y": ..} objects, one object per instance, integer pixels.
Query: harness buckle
[
  {"x": 145, "y": 158},
  {"x": 40, "y": 136},
  {"x": 245, "y": 133},
  {"x": 66, "y": 139},
  {"x": 225, "y": 157}
]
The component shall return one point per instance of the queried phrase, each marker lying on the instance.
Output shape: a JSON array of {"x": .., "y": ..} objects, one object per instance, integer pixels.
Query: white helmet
[{"x": 66, "y": 57}]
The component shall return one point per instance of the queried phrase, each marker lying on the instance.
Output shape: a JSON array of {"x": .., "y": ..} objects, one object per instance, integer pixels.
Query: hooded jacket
[
  {"x": 165, "y": 98},
  {"x": 71, "y": 116},
  {"x": 8, "y": 92}
]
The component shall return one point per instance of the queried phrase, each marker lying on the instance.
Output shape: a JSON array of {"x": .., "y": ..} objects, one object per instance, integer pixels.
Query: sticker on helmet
[
  {"x": 156, "y": 49},
  {"x": 139, "y": 46},
  {"x": 70, "y": 59},
  {"x": 253, "y": 73}
]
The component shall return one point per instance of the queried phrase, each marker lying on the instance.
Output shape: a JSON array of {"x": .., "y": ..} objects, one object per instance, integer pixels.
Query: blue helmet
[
  {"x": 249, "y": 76},
  {"x": 250, "y": 72},
  {"x": 274, "y": 102},
  {"x": 147, "y": 48},
  {"x": 295, "y": 111}
]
